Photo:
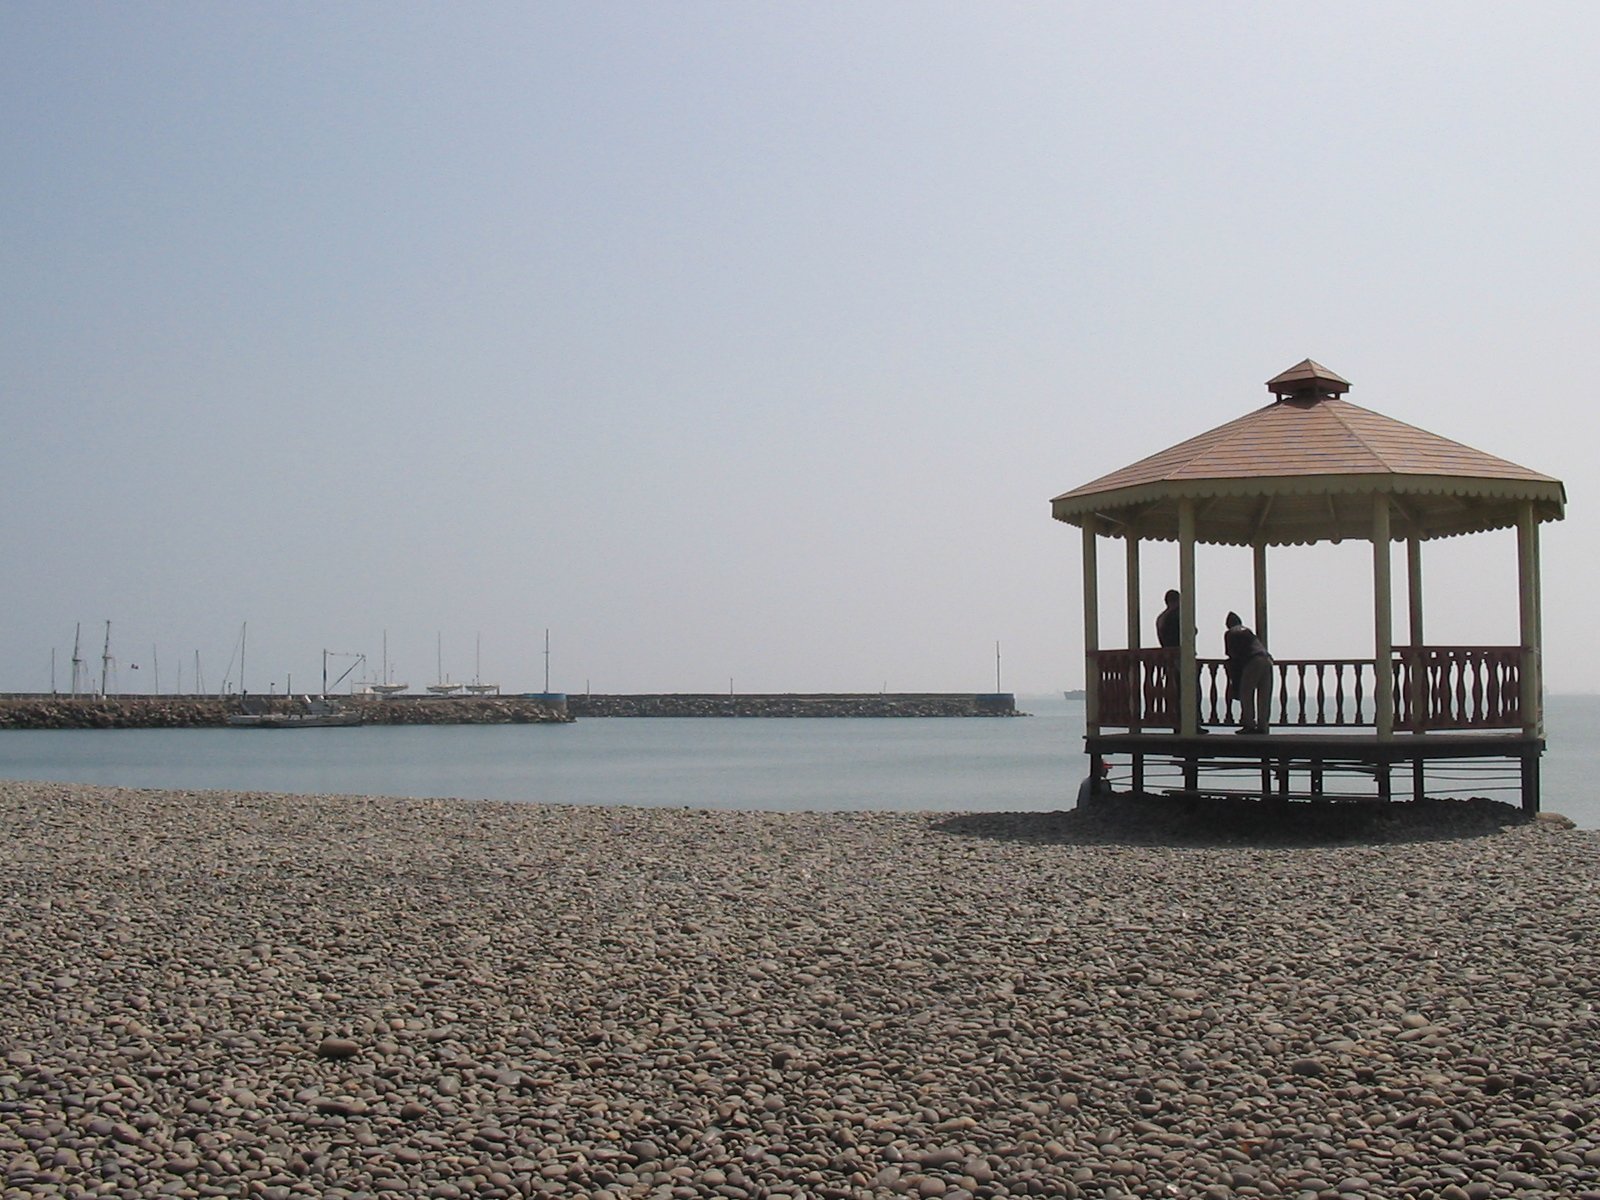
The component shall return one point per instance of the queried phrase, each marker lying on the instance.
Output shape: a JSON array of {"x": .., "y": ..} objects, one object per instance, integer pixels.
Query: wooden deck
[{"x": 1296, "y": 764}]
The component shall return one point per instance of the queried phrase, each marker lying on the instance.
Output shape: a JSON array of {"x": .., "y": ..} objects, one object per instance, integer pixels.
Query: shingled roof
[{"x": 1305, "y": 468}]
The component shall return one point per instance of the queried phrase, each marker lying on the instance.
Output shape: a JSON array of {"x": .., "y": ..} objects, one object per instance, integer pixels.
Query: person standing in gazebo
[{"x": 1249, "y": 674}]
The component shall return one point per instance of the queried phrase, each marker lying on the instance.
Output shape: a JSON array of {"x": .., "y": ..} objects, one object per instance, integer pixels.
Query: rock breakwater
[
  {"x": 276, "y": 996},
  {"x": 157, "y": 712},
  {"x": 795, "y": 704}
]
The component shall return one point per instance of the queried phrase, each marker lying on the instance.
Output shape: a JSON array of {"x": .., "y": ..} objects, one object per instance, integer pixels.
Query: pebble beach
[{"x": 231, "y": 994}]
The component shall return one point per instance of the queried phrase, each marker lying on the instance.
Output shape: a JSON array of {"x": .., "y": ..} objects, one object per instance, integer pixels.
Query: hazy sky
[{"x": 745, "y": 341}]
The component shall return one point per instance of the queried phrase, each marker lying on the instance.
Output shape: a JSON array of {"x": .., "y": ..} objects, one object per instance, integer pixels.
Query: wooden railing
[
  {"x": 1458, "y": 687},
  {"x": 1435, "y": 687},
  {"x": 1139, "y": 687}
]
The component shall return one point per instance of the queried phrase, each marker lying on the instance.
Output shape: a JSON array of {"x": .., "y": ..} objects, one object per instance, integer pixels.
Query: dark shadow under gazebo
[{"x": 1312, "y": 467}]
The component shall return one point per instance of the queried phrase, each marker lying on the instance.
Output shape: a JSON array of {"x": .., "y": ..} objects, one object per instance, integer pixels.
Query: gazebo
[{"x": 1312, "y": 467}]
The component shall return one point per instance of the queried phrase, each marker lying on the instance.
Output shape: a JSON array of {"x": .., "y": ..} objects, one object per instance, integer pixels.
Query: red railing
[{"x": 1435, "y": 687}]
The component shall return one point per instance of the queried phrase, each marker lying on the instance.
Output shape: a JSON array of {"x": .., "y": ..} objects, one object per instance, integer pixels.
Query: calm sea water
[{"x": 937, "y": 764}]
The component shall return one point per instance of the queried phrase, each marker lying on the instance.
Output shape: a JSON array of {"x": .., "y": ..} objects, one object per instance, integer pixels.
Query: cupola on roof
[
  {"x": 1305, "y": 468},
  {"x": 1307, "y": 380}
]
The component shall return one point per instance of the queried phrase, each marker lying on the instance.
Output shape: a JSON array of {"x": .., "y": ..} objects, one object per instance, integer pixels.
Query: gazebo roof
[{"x": 1305, "y": 469}]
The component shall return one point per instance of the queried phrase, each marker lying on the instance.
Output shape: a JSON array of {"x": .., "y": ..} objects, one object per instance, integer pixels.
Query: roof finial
[{"x": 1307, "y": 380}]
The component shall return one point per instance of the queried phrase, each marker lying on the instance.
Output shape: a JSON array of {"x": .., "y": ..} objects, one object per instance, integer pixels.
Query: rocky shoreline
[{"x": 229, "y": 994}]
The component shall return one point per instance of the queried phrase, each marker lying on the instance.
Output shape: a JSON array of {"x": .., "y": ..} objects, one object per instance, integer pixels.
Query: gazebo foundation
[{"x": 1294, "y": 765}]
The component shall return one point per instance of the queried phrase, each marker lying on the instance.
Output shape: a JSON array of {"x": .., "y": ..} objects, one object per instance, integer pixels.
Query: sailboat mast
[
  {"x": 547, "y": 662},
  {"x": 77, "y": 660},
  {"x": 105, "y": 659}
]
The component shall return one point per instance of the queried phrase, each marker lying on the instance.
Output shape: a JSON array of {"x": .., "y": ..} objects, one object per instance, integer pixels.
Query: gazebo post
[
  {"x": 1091, "y": 631},
  {"x": 1383, "y": 632},
  {"x": 1258, "y": 552},
  {"x": 1417, "y": 691},
  {"x": 1531, "y": 698},
  {"x": 1188, "y": 668},
  {"x": 1188, "y": 665},
  {"x": 1136, "y": 682},
  {"x": 1258, "y": 562}
]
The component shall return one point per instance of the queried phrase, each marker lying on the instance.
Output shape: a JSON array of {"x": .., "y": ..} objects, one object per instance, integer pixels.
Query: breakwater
[
  {"x": 796, "y": 704},
  {"x": 175, "y": 712},
  {"x": 46, "y": 711}
]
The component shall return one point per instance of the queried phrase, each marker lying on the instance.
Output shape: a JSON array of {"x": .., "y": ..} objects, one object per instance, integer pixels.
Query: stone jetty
[
  {"x": 223, "y": 994},
  {"x": 159, "y": 712},
  {"x": 795, "y": 704}
]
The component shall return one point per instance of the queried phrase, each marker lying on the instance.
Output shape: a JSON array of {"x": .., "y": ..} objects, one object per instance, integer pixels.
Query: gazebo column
[
  {"x": 1136, "y": 682},
  {"x": 1091, "y": 632},
  {"x": 1417, "y": 690},
  {"x": 1135, "y": 672},
  {"x": 1258, "y": 554},
  {"x": 1188, "y": 667},
  {"x": 1532, "y": 635},
  {"x": 1258, "y": 562},
  {"x": 1382, "y": 633}
]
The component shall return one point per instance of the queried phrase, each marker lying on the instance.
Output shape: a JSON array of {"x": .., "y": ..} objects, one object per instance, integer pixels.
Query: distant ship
[
  {"x": 316, "y": 714},
  {"x": 1077, "y": 695}
]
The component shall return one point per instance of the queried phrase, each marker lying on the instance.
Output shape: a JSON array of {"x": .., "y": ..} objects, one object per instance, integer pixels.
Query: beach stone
[{"x": 546, "y": 1001}]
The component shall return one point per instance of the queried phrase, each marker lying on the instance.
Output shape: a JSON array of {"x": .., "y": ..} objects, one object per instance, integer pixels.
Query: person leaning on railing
[{"x": 1249, "y": 668}]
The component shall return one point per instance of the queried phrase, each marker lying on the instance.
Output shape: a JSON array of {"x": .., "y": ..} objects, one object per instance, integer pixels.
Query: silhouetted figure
[
  {"x": 1249, "y": 668},
  {"x": 1167, "y": 621},
  {"x": 1167, "y": 637},
  {"x": 1096, "y": 785}
]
